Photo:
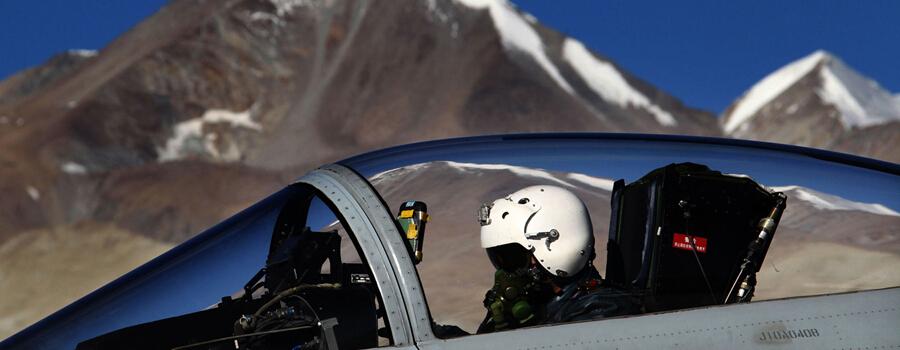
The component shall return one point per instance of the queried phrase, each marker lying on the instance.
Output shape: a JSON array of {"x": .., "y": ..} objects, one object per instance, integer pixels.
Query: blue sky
[
  {"x": 32, "y": 31},
  {"x": 707, "y": 53},
  {"x": 704, "y": 52}
]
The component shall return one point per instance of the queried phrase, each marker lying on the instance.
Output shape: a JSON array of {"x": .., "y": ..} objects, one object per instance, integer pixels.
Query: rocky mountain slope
[
  {"x": 271, "y": 88},
  {"x": 819, "y": 101}
]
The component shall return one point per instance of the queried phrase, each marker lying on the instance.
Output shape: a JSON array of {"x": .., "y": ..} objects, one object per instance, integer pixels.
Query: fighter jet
[{"x": 693, "y": 229}]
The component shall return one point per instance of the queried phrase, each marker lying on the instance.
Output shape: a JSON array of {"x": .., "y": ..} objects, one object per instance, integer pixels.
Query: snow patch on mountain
[
  {"x": 741, "y": 175},
  {"x": 473, "y": 167},
  {"x": 265, "y": 16},
  {"x": 397, "y": 172},
  {"x": 83, "y": 53},
  {"x": 601, "y": 183},
  {"x": 518, "y": 170},
  {"x": 606, "y": 81},
  {"x": 792, "y": 108},
  {"x": 73, "y": 168},
  {"x": 517, "y": 34},
  {"x": 596, "y": 182},
  {"x": 530, "y": 18},
  {"x": 861, "y": 101},
  {"x": 825, "y": 201},
  {"x": 33, "y": 193},
  {"x": 236, "y": 119},
  {"x": 770, "y": 87},
  {"x": 189, "y": 138},
  {"x": 436, "y": 11},
  {"x": 283, "y": 7}
]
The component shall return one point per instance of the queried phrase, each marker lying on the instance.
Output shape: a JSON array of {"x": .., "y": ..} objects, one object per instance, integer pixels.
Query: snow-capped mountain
[
  {"x": 818, "y": 101},
  {"x": 826, "y": 201}
]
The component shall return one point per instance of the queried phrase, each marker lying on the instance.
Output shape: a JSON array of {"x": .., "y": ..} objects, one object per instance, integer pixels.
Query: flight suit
[
  {"x": 583, "y": 297},
  {"x": 589, "y": 298}
]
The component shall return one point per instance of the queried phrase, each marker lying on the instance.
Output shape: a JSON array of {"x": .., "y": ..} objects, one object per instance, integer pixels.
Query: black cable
[
  {"x": 687, "y": 229},
  {"x": 218, "y": 340},
  {"x": 275, "y": 323},
  {"x": 308, "y": 305},
  {"x": 702, "y": 272}
]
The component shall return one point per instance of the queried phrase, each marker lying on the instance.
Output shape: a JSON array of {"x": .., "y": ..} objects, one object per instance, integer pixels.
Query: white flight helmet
[{"x": 549, "y": 221}]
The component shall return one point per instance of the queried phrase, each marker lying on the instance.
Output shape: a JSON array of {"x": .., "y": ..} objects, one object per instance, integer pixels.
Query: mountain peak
[
  {"x": 858, "y": 100},
  {"x": 585, "y": 76},
  {"x": 771, "y": 87},
  {"x": 819, "y": 55}
]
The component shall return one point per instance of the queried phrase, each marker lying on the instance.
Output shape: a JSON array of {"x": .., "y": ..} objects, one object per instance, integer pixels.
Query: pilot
[{"x": 541, "y": 242}]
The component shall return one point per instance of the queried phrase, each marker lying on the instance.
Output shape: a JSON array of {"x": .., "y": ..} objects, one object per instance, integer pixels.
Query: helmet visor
[{"x": 509, "y": 257}]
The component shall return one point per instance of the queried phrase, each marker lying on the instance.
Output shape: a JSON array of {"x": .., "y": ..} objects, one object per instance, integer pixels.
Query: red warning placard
[{"x": 683, "y": 241}]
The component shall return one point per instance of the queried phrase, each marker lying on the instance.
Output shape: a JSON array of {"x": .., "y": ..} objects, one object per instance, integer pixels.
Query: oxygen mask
[{"x": 518, "y": 290}]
